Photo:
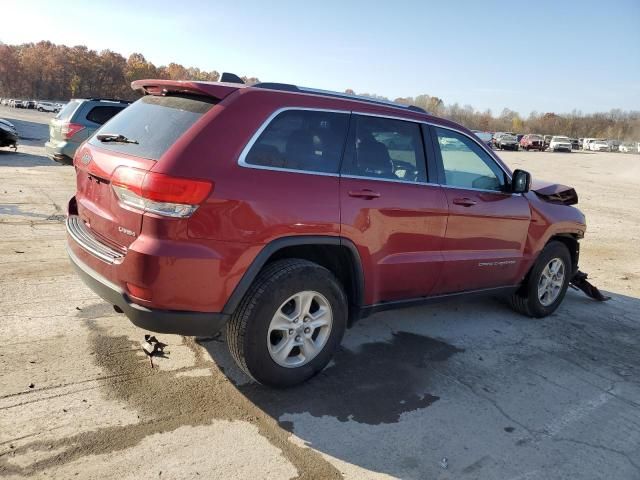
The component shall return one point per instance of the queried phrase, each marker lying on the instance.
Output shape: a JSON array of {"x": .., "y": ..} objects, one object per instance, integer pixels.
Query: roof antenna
[{"x": 230, "y": 78}]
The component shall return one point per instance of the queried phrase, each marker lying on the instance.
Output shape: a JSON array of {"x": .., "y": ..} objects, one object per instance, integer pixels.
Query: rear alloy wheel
[
  {"x": 289, "y": 323},
  {"x": 546, "y": 284}
]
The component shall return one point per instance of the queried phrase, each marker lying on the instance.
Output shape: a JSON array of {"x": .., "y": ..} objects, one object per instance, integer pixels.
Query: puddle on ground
[
  {"x": 375, "y": 384},
  {"x": 15, "y": 209},
  {"x": 164, "y": 401}
]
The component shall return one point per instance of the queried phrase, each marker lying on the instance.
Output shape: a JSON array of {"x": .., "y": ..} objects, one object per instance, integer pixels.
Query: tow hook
[{"x": 579, "y": 282}]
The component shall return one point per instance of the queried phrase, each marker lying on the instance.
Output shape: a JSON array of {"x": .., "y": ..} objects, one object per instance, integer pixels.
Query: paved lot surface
[{"x": 499, "y": 395}]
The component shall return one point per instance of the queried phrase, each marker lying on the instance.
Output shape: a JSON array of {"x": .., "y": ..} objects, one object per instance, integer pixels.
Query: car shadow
[
  {"x": 9, "y": 158},
  {"x": 412, "y": 386},
  {"x": 31, "y": 133}
]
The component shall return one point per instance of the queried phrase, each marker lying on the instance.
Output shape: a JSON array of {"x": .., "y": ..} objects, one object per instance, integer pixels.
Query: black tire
[
  {"x": 247, "y": 331},
  {"x": 525, "y": 300}
]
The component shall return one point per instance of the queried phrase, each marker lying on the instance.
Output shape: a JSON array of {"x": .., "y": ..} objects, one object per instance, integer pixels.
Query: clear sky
[{"x": 545, "y": 56}]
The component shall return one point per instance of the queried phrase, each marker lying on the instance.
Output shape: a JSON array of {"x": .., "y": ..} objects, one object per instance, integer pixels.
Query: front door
[
  {"x": 396, "y": 219},
  {"x": 488, "y": 225}
]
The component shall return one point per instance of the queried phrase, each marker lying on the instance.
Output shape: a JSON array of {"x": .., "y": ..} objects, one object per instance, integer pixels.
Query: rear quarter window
[
  {"x": 155, "y": 122},
  {"x": 102, "y": 114}
]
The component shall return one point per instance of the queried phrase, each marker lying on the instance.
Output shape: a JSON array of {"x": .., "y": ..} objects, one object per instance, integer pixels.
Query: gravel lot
[{"x": 499, "y": 395}]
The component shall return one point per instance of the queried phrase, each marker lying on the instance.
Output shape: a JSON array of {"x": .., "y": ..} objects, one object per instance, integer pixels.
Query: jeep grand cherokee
[{"x": 283, "y": 214}]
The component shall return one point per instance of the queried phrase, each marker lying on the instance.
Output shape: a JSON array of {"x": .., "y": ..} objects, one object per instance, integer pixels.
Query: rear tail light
[
  {"x": 68, "y": 130},
  {"x": 158, "y": 193}
]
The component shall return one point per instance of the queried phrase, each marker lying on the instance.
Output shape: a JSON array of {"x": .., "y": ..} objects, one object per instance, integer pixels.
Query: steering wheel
[{"x": 405, "y": 170}]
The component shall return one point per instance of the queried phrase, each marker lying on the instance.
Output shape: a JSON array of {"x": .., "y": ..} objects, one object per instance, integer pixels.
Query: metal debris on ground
[
  {"x": 579, "y": 282},
  {"x": 152, "y": 347}
]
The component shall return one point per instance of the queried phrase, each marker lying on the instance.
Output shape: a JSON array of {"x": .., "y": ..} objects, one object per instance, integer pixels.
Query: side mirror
[{"x": 521, "y": 181}]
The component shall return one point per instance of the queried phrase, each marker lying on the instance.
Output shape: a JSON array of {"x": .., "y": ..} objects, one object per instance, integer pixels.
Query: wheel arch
[
  {"x": 339, "y": 255},
  {"x": 570, "y": 241}
]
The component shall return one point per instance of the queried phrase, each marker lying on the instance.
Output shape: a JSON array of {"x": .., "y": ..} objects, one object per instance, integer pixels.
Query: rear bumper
[
  {"x": 160, "y": 321},
  {"x": 61, "y": 152}
]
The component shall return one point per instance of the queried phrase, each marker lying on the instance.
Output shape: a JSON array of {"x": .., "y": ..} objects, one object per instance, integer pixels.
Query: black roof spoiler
[{"x": 230, "y": 78}]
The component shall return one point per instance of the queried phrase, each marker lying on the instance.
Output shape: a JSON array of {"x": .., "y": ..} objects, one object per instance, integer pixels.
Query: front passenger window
[{"x": 466, "y": 165}]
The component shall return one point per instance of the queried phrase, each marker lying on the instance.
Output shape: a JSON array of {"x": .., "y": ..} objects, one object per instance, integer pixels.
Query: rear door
[
  {"x": 394, "y": 216},
  {"x": 155, "y": 123},
  {"x": 487, "y": 226}
]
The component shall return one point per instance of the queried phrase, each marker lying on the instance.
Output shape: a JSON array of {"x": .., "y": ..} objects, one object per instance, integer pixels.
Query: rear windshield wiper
[{"x": 112, "y": 137}]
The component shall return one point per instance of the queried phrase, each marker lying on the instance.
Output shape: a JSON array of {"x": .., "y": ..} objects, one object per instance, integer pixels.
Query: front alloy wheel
[
  {"x": 551, "y": 282},
  {"x": 546, "y": 283}
]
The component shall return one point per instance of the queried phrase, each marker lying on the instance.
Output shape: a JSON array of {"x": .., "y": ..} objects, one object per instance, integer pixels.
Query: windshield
[
  {"x": 153, "y": 124},
  {"x": 508, "y": 138},
  {"x": 561, "y": 139}
]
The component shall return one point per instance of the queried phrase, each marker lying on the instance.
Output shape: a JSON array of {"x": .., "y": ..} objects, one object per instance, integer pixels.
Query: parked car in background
[
  {"x": 600, "y": 146},
  {"x": 614, "y": 145},
  {"x": 507, "y": 142},
  {"x": 8, "y": 134},
  {"x": 628, "y": 148},
  {"x": 497, "y": 135},
  {"x": 560, "y": 144},
  {"x": 532, "y": 142},
  {"x": 15, "y": 103},
  {"x": 486, "y": 137},
  {"x": 76, "y": 122},
  {"x": 183, "y": 219},
  {"x": 586, "y": 143},
  {"x": 47, "y": 107}
]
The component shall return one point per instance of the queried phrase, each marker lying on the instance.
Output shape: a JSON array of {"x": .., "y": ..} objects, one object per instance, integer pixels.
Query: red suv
[
  {"x": 532, "y": 142},
  {"x": 284, "y": 214}
]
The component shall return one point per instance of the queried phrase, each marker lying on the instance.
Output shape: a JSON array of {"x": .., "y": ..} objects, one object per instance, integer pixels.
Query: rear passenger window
[
  {"x": 301, "y": 140},
  {"x": 385, "y": 148},
  {"x": 100, "y": 115}
]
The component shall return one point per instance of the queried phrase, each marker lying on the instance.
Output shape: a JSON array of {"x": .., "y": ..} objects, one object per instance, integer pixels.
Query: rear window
[
  {"x": 155, "y": 122},
  {"x": 67, "y": 111},
  {"x": 101, "y": 115}
]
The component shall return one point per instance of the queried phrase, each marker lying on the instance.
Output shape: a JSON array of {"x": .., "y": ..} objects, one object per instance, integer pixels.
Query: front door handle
[
  {"x": 366, "y": 194},
  {"x": 465, "y": 202}
]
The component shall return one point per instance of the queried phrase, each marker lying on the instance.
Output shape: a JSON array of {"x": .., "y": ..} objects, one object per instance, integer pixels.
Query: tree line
[{"x": 48, "y": 71}]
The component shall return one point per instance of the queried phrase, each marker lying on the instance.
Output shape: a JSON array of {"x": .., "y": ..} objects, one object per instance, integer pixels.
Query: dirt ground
[{"x": 500, "y": 396}]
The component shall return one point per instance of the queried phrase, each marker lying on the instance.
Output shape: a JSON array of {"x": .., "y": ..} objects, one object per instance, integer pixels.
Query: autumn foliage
[{"x": 46, "y": 71}]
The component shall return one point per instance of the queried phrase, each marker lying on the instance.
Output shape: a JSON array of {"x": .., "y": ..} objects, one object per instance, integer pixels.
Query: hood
[
  {"x": 6, "y": 123},
  {"x": 554, "y": 192},
  {"x": 8, "y": 127}
]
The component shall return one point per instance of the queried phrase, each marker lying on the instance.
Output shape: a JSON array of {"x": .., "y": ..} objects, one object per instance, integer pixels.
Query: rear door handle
[
  {"x": 465, "y": 202},
  {"x": 366, "y": 194}
]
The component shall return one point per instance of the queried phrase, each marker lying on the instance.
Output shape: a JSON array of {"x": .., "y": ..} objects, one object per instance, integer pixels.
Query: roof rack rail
[
  {"x": 100, "y": 99},
  {"x": 287, "y": 87}
]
